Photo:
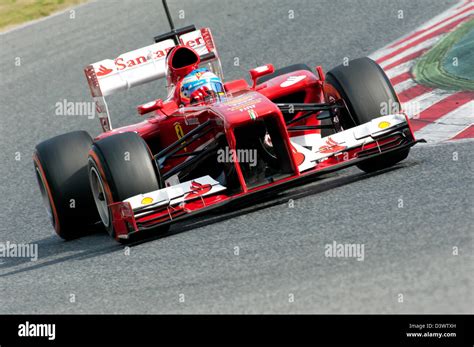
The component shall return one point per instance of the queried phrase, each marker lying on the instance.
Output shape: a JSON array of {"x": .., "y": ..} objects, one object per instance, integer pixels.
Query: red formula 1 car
[{"x": 218, "y": 146}]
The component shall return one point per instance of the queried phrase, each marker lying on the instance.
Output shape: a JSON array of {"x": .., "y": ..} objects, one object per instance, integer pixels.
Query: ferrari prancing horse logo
[{"x": 179, "y": 132}]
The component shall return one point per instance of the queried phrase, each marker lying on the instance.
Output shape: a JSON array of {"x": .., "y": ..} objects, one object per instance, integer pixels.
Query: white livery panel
[
  {"x": 177, "y": 194},
  {"x": 328, "y": 146}
]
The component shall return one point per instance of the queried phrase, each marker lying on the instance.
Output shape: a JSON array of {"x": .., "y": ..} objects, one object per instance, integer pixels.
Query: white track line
[
  {"x": 427, "y": 33},
  {"x": 386, "y": 50},
  {"x": 417, "y": 105},
  {"x": 465, "y": 128},
  {"x": 419, "y": 47},
  {"x": 449, "y": 125},
  {"x": 442, "y": 16},
  {"x": 400, "y": 69},
  {"x": 444, "y": 143},
  {"x": 402, "y": 86}
]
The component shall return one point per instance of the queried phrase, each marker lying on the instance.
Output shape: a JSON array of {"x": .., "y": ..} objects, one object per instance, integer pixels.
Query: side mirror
[
  {"x": 259, "y": 72},
  {"x": 150, "y": 106}
]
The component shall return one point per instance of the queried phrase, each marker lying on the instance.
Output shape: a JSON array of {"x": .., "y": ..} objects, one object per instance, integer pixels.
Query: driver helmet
[{"x": 201, "y": 85}]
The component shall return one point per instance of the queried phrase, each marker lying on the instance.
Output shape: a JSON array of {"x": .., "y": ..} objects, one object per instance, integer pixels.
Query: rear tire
[
  {"x": 61, "y": 170},
  {"x": 366, "y": 89},
  {"x": 120, "y": 166}
]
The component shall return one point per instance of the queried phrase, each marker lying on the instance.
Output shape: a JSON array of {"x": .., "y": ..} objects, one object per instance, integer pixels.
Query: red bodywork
[{"x": 169, "y": 123}]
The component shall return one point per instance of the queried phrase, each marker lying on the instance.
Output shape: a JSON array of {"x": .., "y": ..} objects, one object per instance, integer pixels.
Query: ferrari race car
[{"x": 234, "y": 143}]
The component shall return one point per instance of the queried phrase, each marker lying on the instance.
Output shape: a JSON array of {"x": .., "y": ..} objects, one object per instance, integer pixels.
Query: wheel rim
[
  {"x": 100, "y": 197},
  {"x": 45, "y": 196}
]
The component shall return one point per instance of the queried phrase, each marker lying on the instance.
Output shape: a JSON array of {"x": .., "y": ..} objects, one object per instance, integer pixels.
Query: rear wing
[{"x": 144, "y": 65}]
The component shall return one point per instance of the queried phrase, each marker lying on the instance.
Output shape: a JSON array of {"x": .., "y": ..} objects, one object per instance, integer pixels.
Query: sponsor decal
[
  {"x": 195, "y": 42},
  {"x": 199, "y": 40},
  {"x": 179, "y": 132},
  {"x": 122, "y": 64},
  {"x": 103, "y": 71},
  {"x": 197, "y": 189},
  {"x": 147, "y": 200},
  {"x": 291, "y": 80},
  {"x": 207, "y": 36},
  {"x": 384, "y": 124},
  {"x": 242, "y": 103},
  {"x": 331, "y": 146},
  {"x": 191, "y": 120}
]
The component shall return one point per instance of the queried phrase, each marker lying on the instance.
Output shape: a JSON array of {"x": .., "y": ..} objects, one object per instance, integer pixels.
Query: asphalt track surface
[{"x": 281, "y": 249}]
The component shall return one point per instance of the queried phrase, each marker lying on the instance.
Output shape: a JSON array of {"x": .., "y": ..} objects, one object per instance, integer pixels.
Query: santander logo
[
  {"x": 103, "y": 71},
  {"x": 123, "y": 64}
]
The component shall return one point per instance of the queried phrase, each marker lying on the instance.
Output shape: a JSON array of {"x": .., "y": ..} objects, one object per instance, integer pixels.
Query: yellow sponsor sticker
[
  {"x": 384, "y": 124},
  {"x": 147, "y": 200}
]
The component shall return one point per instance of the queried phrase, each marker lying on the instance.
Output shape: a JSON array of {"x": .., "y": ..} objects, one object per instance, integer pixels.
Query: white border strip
[
  {"x": 383, "y": 53},
  {"x": 449, "y": 125},
  {"x": 430, "y": 22}
]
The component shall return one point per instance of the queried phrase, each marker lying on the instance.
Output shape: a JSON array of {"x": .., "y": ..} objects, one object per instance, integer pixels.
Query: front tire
[
  {"x": 367, "y": 91},
  {"x": 120, "y": 166}
]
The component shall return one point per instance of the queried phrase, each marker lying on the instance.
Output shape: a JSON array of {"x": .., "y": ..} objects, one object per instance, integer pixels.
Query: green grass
[
  {"x": 14, "y": 12},
  {"x": 430, "y": 71}
]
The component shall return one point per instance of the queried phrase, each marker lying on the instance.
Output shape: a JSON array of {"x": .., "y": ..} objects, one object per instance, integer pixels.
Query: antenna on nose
[{"x": 168, "y": 15}]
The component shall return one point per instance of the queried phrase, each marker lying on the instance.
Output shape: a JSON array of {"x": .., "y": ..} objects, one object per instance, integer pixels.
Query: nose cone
[{"x": 181, "y": 60}]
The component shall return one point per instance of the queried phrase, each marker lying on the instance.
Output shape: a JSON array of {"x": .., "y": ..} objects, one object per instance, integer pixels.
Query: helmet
[{"x": 201, "y": 85}]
